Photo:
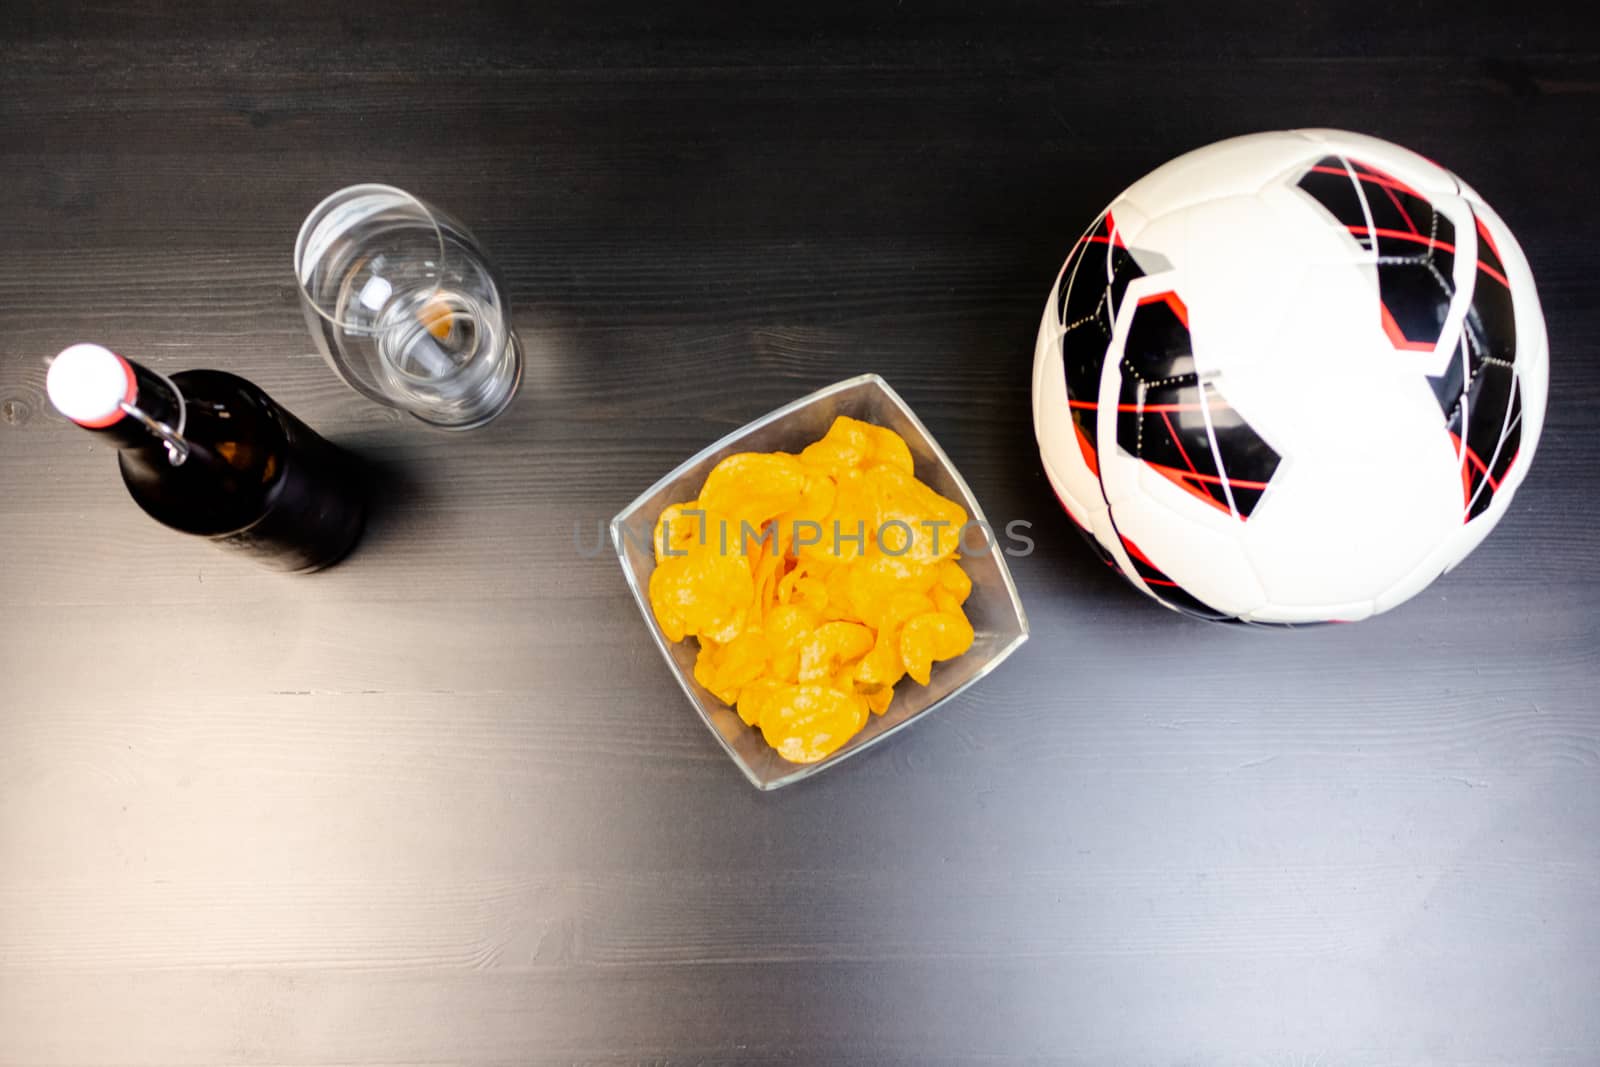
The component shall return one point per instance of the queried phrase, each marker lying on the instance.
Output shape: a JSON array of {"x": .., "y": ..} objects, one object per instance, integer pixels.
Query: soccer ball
[{"x": 1290, "y": 378}]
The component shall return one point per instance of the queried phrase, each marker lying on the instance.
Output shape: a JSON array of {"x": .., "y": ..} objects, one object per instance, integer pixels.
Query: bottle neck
[{"x": 157, "y": 399}]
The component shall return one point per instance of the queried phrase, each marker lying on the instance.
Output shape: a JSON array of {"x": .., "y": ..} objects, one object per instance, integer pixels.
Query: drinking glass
[{"x": 405, "y": 308}]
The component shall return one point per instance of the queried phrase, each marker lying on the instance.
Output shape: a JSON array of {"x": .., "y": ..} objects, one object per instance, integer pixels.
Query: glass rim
[{"x": 318, "y": 214}]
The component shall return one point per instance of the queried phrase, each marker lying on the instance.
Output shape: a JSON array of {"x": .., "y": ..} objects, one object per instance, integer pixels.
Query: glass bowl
[{"x": 994, "y": 608}]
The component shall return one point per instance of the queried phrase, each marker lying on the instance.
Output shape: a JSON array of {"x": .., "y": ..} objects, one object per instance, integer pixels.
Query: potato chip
[
  {"x": 836, "y": 588},
  {"x": 844, "y": 447},
  {"x": 705, "y": 666},
  {"x": 753, "y": 488},
  {"x": 888, "y": 447},
  {"x": 754, "y": 698},
  {"x": 899, "y": 503},
  {"x": 676, "y": 532},
  {"x": 939, "y": 635},
  {"x": 785, "y": 665},
  {"x": 786, "y": 626},
  {"x": 954, "y": 580},
  {"x": 765, "y": 573},
  {"x": 883, "y": 589},
  {"x": 789, "y": 583},
  {"x": 812, "y": 592},
  {"x": 735, "y": 665},
  {"x": 851, "y": 528},
  {"x": 704, "y": 593},
  {"x": 829, "y": 646},
  {"x": 851, "y": 444},
  {"x": 952, "y": 588},
  {"x": 807, "y": 520},
  {"x": 705, "y": 662},
  {"x": 882, "y": 667},
  {"x": 807, "y": 722}
]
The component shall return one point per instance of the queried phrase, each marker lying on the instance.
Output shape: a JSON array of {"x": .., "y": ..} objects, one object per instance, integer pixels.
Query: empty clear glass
[{"x": 405, "y": 307}]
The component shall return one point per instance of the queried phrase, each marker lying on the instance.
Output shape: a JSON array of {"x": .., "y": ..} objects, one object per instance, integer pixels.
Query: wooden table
[{"x": 444, "y": 802}]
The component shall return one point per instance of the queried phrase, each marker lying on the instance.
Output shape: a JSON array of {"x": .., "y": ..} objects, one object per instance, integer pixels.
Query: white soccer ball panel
[
  {"x": 1211, "y": 246},
  {"x": 1239, "y": 166},
  {"x": 1226, "y": 582},
  {"x": 1421, "y": 576},
  {"x": 1076, "y": 509},
  {"x": 1058, "y": 442}
]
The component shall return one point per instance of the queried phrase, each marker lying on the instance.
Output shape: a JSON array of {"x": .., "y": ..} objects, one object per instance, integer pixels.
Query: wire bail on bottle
[{"x": 177, "y": 447}]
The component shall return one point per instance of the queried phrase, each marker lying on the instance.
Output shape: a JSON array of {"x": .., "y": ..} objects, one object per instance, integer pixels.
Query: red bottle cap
[{"x": 89, "y": 384}]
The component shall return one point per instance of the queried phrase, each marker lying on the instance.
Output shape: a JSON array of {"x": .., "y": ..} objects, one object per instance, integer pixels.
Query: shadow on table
[{"x": 393, "y": 490}]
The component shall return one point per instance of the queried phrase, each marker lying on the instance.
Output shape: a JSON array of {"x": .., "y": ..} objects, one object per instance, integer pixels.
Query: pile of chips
[{"x": 813, "y": 583}]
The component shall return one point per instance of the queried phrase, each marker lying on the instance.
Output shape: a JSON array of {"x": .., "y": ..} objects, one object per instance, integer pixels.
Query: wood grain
[{"x": 443, "y": 803}]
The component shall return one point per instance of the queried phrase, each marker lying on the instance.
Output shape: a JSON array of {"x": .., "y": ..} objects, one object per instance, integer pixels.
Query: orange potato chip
[
  {"x": 851, "y": 528},
  {"x": 881, "y": 668},
  {"x": 677, "y": 532},
  {"x": 754, "y": 698},
  {"x": 836, "y": 589},
  {"x": 883, "y": 590},
  {"x": 765, "y": 572},
  {"x": 705, "y": 662},
  {"x": 785, "y": 666},
  {"x": 894, "y": 607},
  {"x": 812, "y": 592},
  {"x": 888, "y": 447},
  {"x": 786, "y": 626},
  {"x": 753, "y": 488},
  {"x": 844, "y": 447},
  {"x": 705, "y": 672},
  {"x": 954, "y": 580},
  {"x": 734, "y": 666},
  {"x": 899, "y": 502},
  {"x": 936, "y": 636},
  {"x": 787, "y": 585},
  {"x": 704, "y": 593},
  {"x": 831, "y": 645},
  {"x": 807, "y": 722},
  {"x": 851, "y": 444},
  {"x": 807, "y": 520},
  {"x": 899, "y": 572}
]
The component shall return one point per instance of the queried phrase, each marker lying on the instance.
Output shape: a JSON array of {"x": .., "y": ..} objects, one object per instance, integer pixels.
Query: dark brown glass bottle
[{"x": 208, "y": 453}]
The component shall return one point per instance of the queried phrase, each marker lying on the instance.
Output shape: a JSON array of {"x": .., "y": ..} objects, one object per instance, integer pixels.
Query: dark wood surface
[{"x": 444, "y": 802}]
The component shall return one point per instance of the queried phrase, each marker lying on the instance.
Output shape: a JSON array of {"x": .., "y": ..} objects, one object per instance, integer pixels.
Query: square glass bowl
[{"x": 994, "y": 608}]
